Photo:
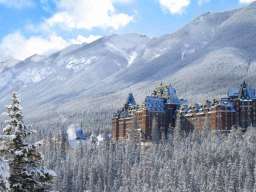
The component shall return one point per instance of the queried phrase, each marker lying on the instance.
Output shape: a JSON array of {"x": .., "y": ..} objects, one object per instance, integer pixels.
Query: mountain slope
[{"x": 204, "y": 58}]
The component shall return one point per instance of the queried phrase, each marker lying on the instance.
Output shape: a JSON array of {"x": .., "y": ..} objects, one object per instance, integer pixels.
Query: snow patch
[
  {"x": 131, "y": 58},
  {"x": 4, "y": 174},
  {"x": 33, "y": 75},
  {"x": 187, "y": 51},
  {"x": 100, "y": 138},
  {"x": 71, "y": 132},
  {"x": 77, "y": 64}
]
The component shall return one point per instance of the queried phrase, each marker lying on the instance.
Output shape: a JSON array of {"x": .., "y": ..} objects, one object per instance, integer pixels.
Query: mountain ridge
[{"x": 205, "y": 57}]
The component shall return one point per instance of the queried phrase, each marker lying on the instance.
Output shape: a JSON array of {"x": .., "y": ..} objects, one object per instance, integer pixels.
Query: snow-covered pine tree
[
  {"x": 25, "y": 162},
  {"x": 219, "y": 180},
  {"x": 63, "y": 137},
  {"x": 4, "y": 175}
]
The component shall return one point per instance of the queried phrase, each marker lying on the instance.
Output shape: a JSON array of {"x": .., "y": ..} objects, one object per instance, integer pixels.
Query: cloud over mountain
[
  {"x": 247, "y": 1},
  {"x": 88, "y": 14},
  {"x": 18, "y": 46},
  {"x": 174, "y": 6}
]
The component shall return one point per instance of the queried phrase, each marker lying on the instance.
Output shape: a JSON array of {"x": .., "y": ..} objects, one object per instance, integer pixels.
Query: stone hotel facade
[{"x": 163, "y": 111}]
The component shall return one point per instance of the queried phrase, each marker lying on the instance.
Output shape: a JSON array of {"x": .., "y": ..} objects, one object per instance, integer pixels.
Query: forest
[
  {"x": 203, "y": 161},
  {"x": 198, "y": 162}
]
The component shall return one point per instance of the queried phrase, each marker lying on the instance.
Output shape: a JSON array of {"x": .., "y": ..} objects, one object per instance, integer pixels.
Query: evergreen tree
[
  {"x": 4, "y": 175},
  {"x": 219, "y": 181},
  {"x": 25, "y": 163},
  {"x": 64, "y": 143}
]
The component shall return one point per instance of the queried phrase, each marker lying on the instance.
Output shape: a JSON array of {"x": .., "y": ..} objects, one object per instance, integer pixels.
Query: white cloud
[
  {"x": 88, "y": 14},
  {"x": 123, "y": 1},
  {"x": 17, "y": 3},
  {"x": 71, "y": 15},
  {"x": 82, "y": 39},
  {"x": 247, "y": 1},
  {"x": 174, "y": 6},
  {"x": 19, "y": 47}
]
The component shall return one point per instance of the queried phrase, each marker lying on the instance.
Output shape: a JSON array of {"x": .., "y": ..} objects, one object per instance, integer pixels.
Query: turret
[{"x": 243, "y": 92}]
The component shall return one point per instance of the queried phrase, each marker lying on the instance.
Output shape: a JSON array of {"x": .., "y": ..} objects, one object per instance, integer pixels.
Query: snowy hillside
[
  {"x": 204, "y": 58},
  {"x": 6, "y": 62}
]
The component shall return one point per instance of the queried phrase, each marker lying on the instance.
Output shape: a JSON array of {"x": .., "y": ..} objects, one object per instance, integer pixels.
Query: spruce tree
[
  {"x": 25, "y": 163},
  {"x": 4, "y": 175}
]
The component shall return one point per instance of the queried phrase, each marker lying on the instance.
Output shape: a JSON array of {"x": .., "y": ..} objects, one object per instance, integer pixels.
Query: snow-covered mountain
[
  {"x": 204, "y": 58},
  {"x": 7, "y": 62}
]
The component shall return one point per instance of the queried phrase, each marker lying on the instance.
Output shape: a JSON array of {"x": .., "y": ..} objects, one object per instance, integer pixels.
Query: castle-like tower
[
  {"x": 163, "y": 110},
  {"x": 244, "y": 102},
  {"x": 238, "y": 109},
  {"x": 151, "y": 121}
]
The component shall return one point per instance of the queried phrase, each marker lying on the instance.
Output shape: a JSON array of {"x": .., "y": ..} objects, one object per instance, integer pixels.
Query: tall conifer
[{"x": 25, "y": 162}]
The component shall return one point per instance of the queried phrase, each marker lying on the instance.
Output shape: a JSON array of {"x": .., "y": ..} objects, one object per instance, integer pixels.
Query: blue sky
[{"x": 43, "y": 26}]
